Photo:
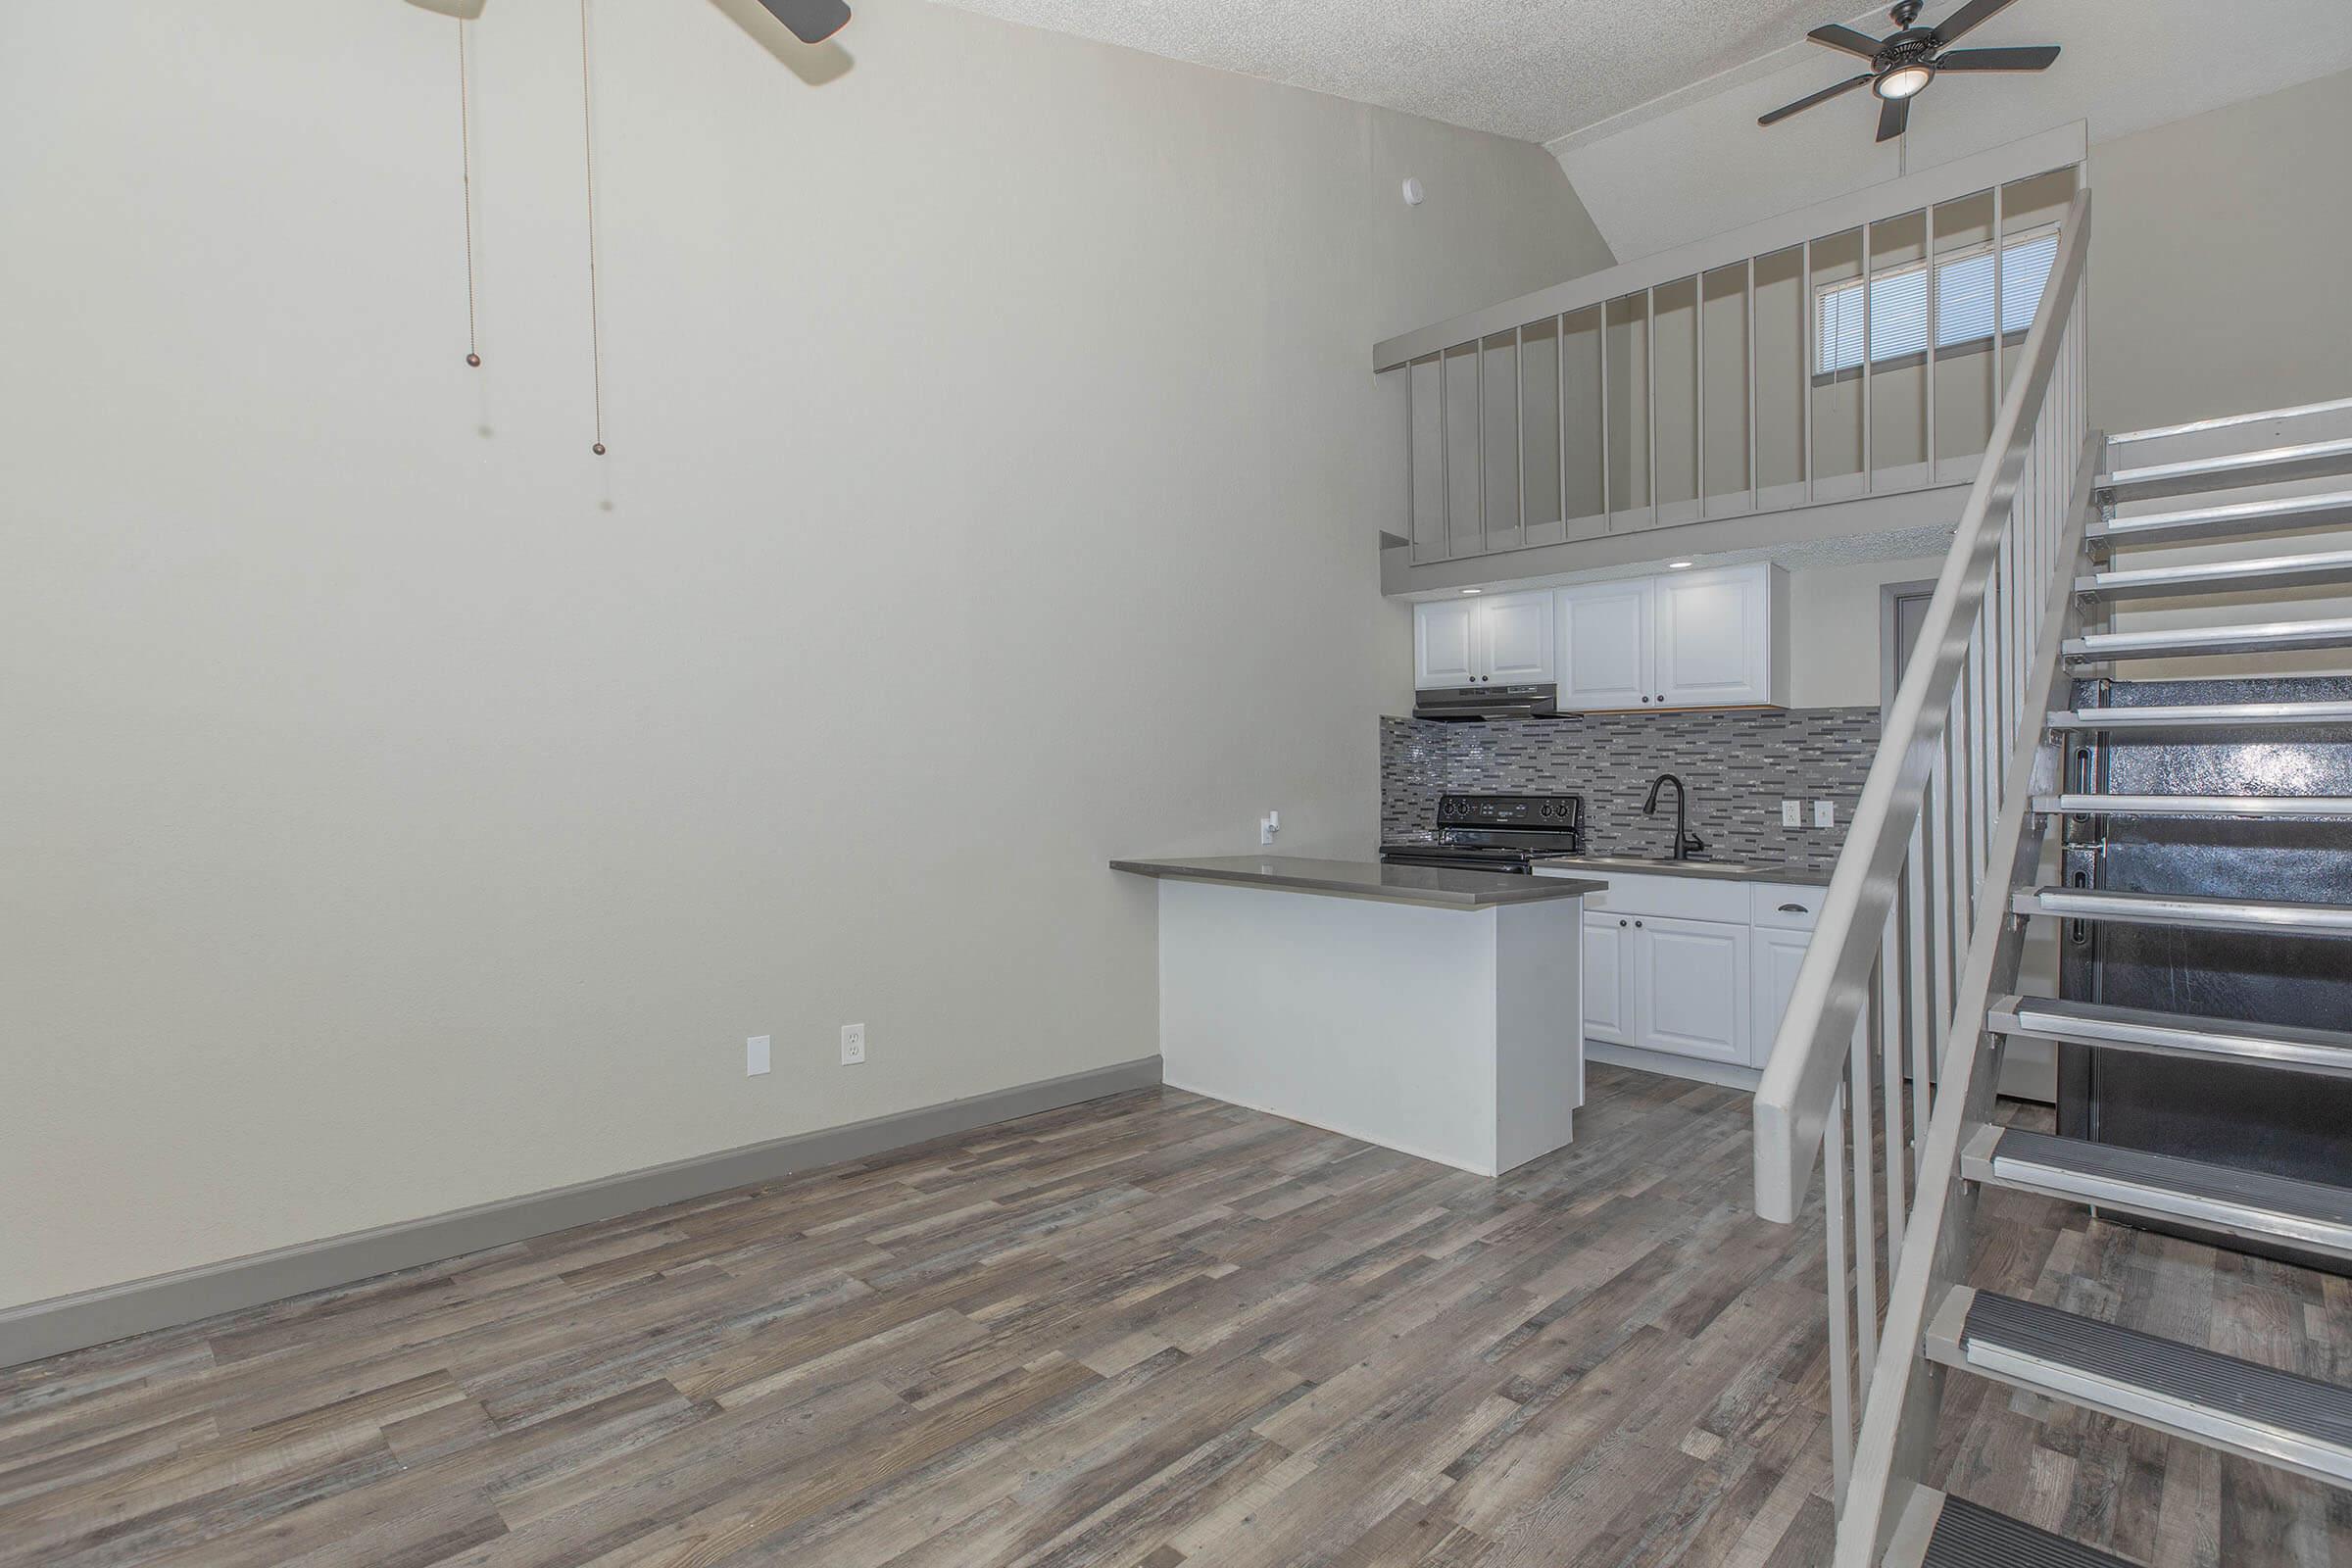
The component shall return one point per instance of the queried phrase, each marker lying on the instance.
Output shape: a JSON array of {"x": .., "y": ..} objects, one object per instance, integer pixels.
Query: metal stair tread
[
  {"x": 2203, "y": 911},
  {"x": 2255, "y": 637},
  {"x": 2279, "y": 514},
  {"x": 2241, "y": 805},
  {"x": 2245, "y": 1202},
  {"x": 2222, "y": 421},
  {"x": 1970, "y": 1536},
  {"x": 2200, "y": 716},
  {"x": 2269, "y": 465},
  {"x": 2219, "y": 576},
  {"x": 2238, "y": 1405},
  {"x": 2104, "y": 1026}
]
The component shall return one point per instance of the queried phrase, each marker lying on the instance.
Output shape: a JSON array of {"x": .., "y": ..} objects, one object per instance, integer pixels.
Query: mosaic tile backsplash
[{"x": 1739, "y": 766}]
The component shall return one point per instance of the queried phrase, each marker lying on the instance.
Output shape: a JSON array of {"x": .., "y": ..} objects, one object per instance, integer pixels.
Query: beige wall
[
  {"x": 1834, "y": 648},
  {"x": 405, "y": 809},
  {"x": 2216, "y": 261},
  {"x": 2217, "y": 287}
]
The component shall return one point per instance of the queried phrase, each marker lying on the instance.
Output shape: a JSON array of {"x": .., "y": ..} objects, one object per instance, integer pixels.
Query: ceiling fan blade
[
  {"x": 1838, "y": 36},
  {"x": 811, "y": 21},
  {"x": 1893, "y": 115},
  {"x": 2033, "y": 59},
  {"x": 1968, "y": 19},
  {"x": 1803, "y": 104}
]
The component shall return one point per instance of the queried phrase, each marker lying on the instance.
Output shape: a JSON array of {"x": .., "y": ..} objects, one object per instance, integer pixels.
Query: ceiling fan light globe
[{"x": 1903, "y": 81}]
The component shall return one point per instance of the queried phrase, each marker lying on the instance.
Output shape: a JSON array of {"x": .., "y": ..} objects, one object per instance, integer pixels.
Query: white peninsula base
[{"x": 1452, "y": 1034}]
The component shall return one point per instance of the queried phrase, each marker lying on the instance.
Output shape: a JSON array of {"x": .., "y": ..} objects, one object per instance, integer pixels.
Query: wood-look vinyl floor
[{"x": 1150, "y": 1332}]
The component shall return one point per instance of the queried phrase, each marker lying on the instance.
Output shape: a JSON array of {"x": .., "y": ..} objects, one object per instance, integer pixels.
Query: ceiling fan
[
  {"x": 811, "y": 21},
  {"x": 1902, "y": 64}
]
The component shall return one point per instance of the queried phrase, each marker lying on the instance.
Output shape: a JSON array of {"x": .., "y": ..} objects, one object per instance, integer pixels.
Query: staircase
[{"x": 1911, "y": 992}]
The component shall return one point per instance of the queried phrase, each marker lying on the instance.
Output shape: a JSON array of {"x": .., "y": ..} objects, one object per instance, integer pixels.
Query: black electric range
[{"x": 1509, "y": 833}]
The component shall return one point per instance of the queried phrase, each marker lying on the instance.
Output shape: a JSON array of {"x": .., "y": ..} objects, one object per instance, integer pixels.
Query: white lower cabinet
[
  {"x": 1608, "y": 981},
  {"x": 1690, "y": 988},
  {"x": 1693, "y": 967},
  {"x": 1778, "y": 955}
]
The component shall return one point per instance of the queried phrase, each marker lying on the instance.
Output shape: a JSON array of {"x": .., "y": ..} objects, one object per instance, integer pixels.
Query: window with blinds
[{"x": 1898, "y": 305}]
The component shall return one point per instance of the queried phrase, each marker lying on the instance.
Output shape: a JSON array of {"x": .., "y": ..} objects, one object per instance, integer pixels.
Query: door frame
[{"x": 1890, "y": 663}]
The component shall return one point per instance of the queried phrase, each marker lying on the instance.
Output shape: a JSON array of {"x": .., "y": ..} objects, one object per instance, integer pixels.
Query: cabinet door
[
  {"x": 1442, "y": 643},
  {"x": 1778, "y": 956},
  {"x": 1514, "y": 637},
  {"x": 1714, "y": 639},
  {"x": 1691, "y": 996},
  {"x": 1608, "y": 1014},
  {"x": 1605, "y": 645}
]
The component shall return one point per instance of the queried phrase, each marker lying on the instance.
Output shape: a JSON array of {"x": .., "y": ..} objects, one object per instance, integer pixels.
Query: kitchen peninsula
[{"x": 1428, "y": 1010}]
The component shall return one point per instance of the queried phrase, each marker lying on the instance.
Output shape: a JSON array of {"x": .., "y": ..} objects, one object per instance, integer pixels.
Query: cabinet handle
[
  {"x": 1793, "y": 908},
  {"x": 1621, "y": 922},
  {"x": 1636, "y": 925}
]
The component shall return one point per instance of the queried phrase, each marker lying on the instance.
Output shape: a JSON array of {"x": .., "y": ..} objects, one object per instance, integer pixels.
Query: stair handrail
[{"x": 1801, "y": 1078}]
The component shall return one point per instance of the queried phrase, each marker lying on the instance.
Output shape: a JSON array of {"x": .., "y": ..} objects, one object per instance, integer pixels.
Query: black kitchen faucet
[{"x": 1685, "y": 842}]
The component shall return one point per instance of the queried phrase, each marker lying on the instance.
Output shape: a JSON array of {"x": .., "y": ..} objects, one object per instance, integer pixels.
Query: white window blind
[{"x": 1898, "y": 305}]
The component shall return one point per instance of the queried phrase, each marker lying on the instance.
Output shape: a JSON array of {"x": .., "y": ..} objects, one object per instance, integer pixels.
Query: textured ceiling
[
  {"x": 1696, "y": 162},
  {"x": 1530, "y": 68}
]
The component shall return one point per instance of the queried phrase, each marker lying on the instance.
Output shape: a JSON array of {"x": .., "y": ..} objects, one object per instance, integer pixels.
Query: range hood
[{"x": 1463, "y": 704}]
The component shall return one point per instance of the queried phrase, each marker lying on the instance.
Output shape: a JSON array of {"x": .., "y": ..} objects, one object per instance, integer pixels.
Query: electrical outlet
[
  {"x": 1793, "y": 813},
  {"x": 853, "y": 1043},
  {"x": 755, "y": 1055},
  {"x": 1267, "y": 826},
  {"x": 1825, "y": 813}
]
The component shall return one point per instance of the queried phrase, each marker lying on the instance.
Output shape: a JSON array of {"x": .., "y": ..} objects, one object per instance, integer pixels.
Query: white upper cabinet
[
  {"x": 1473, "y": 640},
  {"x": 1608, "y": 657},
  {"x": 1717, "y": 633},
  {"x": 1514, "y": 637},
  {"x": 1441, "y": 640},
  {"x": 1685, "y": 639}
]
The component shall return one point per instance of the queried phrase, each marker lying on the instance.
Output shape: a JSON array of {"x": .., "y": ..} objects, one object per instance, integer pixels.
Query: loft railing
[
  {"x": 1854, "y": 347},
  {"x": 1891, "y": 985}
]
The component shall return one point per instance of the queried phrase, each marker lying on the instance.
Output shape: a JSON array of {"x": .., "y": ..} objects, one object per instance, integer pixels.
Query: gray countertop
[{"x": 1432, "y": 886}]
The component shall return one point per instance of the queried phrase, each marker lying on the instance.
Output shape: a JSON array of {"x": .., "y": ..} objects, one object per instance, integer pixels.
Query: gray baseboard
[{"x": 63, "y": 1323}]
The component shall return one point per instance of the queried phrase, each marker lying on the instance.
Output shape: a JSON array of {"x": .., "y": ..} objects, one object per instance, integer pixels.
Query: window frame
[{"x": 1880, "y": 364}]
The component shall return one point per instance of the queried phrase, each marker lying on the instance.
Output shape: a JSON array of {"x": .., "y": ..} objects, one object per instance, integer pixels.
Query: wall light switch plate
[
  {"x": 1825, "y": 813},
  {"x": 1793, "y": 813},
  {"x": 853, "y": 1043},
  {"x": 755, "y": 1055}
]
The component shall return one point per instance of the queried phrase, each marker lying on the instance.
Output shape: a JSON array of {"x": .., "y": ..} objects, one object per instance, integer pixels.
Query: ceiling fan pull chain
[
  {"x": 596, "y": 351},
  {"x": 473, "y": 355}
]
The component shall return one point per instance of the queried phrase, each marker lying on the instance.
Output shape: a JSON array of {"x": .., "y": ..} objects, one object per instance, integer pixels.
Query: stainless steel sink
[{"x": 1659, "y": 863}]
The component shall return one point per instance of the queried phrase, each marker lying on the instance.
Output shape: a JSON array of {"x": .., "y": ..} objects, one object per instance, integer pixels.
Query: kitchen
[{"x": 1629, "y": 743}]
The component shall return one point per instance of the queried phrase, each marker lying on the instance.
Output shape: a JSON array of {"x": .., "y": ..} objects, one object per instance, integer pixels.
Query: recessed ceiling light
[
  {"x": 1474, "y": 590},
  {"x": 1679, "y": 566}
]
